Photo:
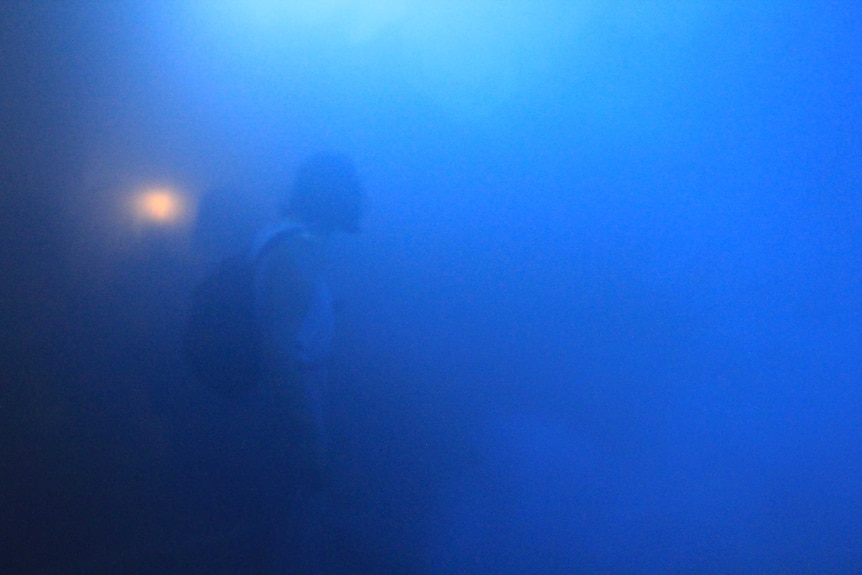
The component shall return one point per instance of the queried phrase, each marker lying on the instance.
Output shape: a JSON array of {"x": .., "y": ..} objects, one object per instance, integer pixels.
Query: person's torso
[{"x": 308, "y": 340}]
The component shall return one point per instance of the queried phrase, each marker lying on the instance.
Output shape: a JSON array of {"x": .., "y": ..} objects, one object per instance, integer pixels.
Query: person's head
[{"x": 326, "y": 194}]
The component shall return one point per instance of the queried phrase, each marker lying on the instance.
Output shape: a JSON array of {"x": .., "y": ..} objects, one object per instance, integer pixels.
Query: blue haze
[{"x": 604, "y": 316}]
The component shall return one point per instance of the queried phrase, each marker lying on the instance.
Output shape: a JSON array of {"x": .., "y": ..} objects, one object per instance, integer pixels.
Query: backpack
[{"x": 222, "y": 342}]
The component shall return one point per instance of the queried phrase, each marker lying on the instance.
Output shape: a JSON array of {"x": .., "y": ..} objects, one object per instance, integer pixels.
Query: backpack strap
[{"x": 267, "y": 238}]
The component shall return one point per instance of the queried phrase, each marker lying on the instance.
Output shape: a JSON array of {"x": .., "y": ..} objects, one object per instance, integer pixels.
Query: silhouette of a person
[{"x": 294, "y": 310}]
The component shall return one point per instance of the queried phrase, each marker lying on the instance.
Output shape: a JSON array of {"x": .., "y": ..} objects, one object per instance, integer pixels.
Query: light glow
[{"x": 160, "y": 206}]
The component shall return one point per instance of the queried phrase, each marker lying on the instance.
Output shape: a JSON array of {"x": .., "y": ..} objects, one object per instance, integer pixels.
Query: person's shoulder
[
  {"x": 276, "y": 237},
  {"x": 290, "y": 250}
]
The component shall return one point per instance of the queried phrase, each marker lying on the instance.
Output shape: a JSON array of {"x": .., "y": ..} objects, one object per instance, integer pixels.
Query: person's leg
[
  {"x": 297, "y": 545},
  {"x": 316, "y": 389}
]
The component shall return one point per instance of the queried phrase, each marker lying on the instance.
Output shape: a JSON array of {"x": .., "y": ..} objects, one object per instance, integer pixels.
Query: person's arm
[{"x": 287, "y": 289}]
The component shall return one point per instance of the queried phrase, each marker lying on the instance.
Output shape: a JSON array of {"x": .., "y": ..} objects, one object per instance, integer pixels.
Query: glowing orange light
[{"x": 160, "y": 206}]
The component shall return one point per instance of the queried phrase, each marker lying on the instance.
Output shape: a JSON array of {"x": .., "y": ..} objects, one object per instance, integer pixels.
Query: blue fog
[{"x": 604, "y": 315}]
